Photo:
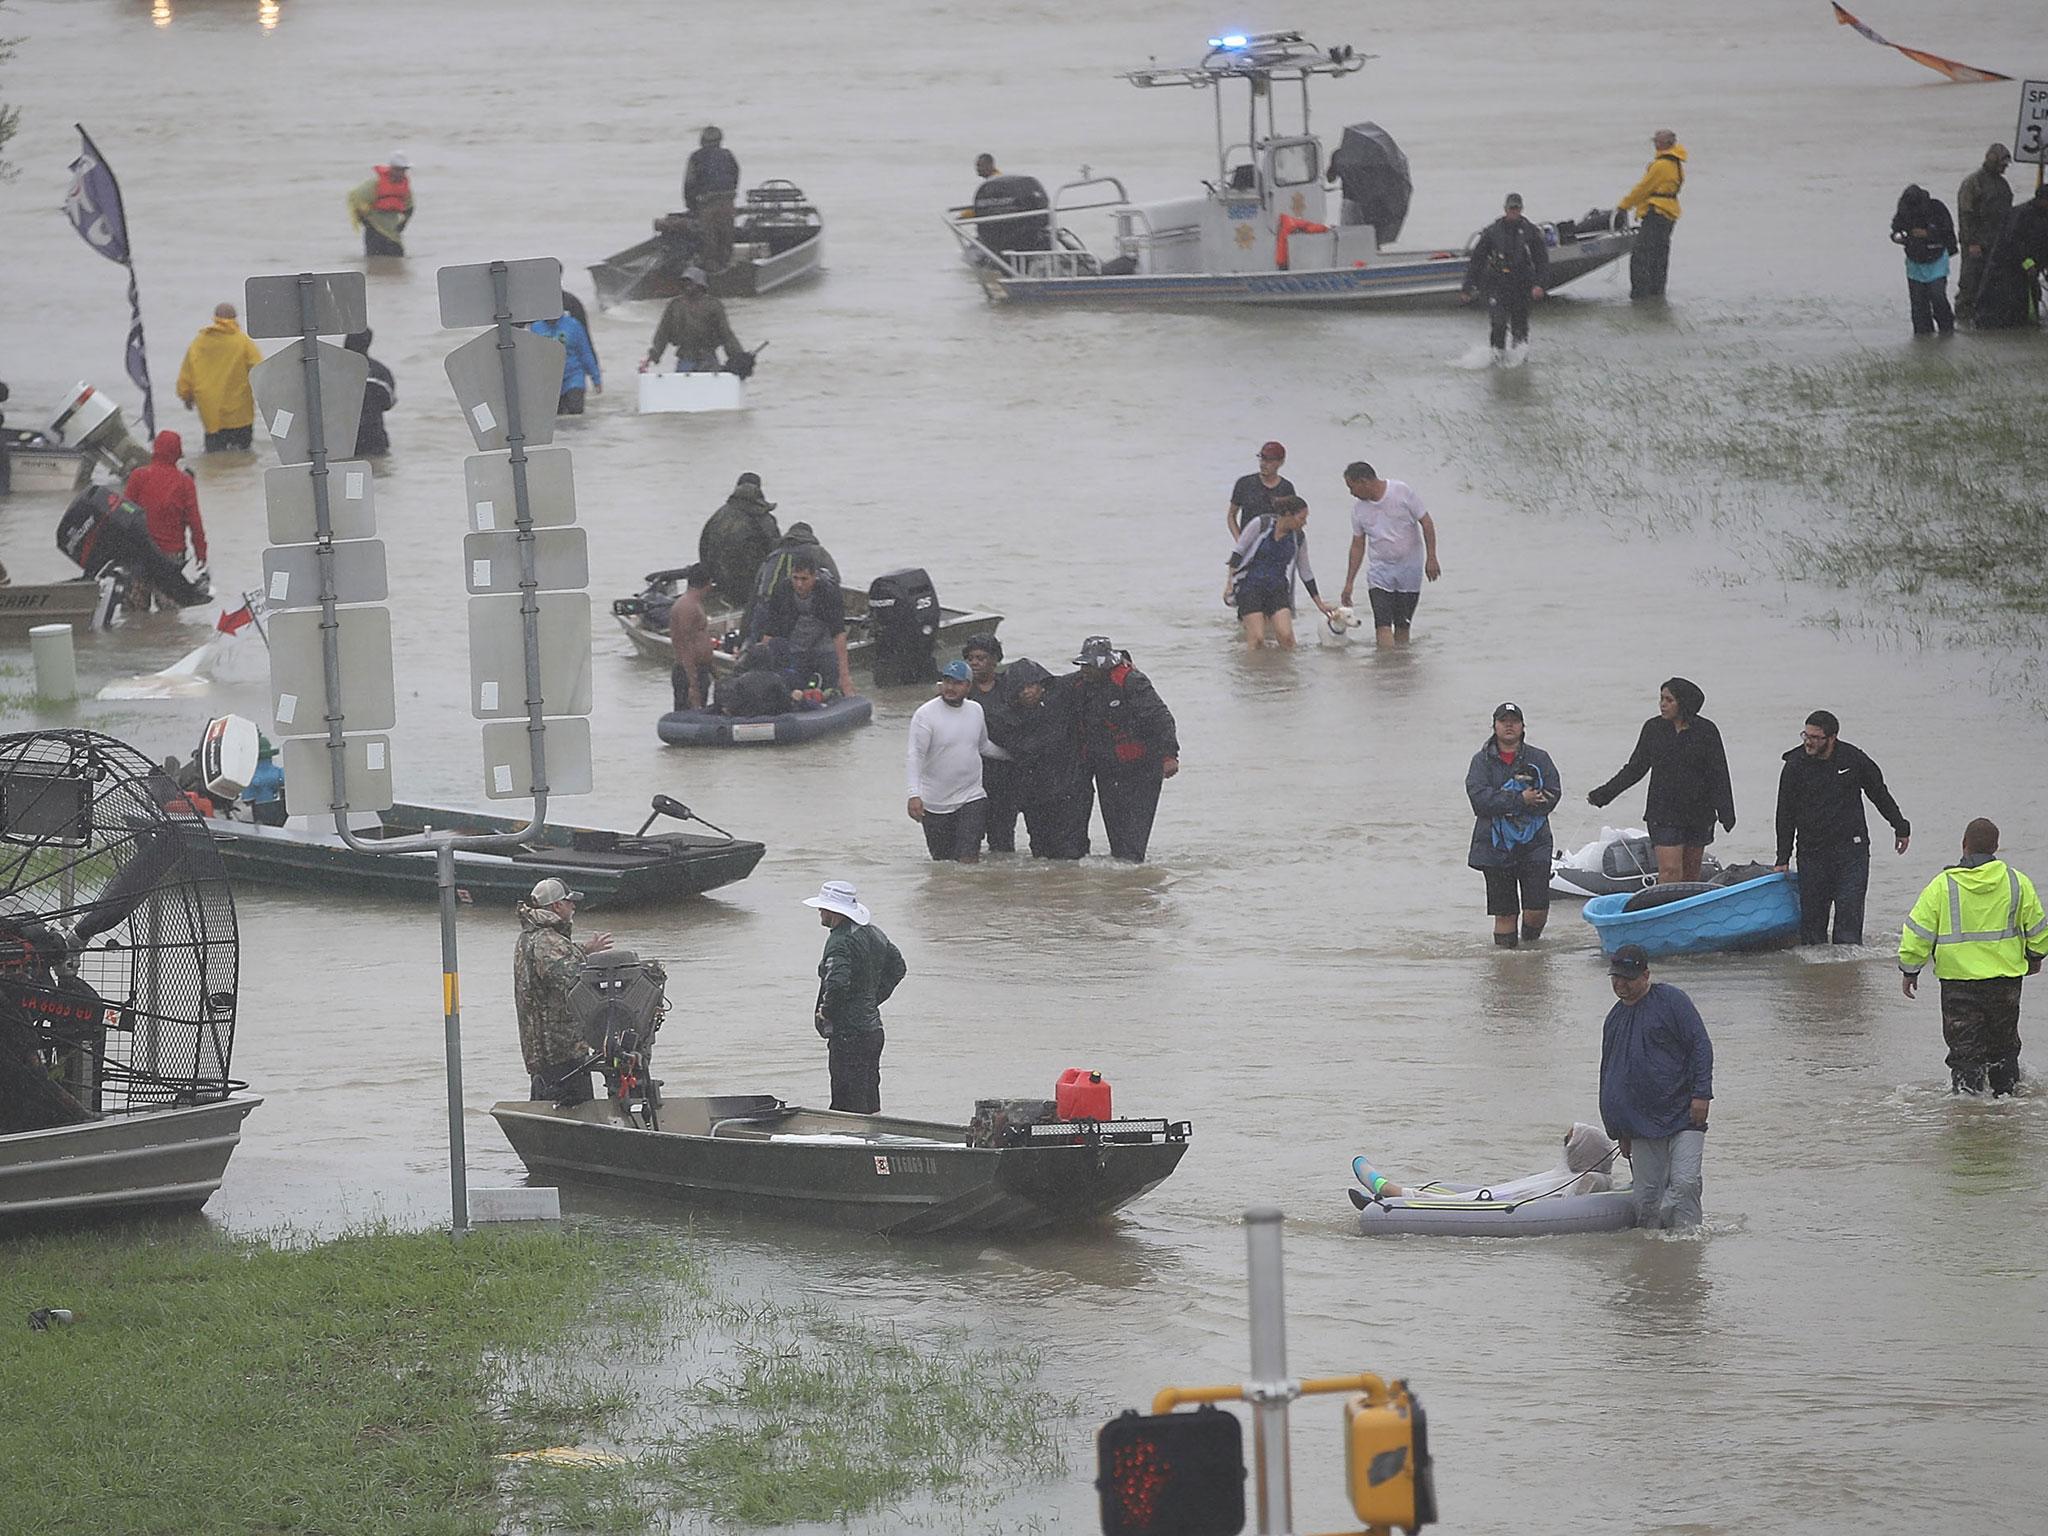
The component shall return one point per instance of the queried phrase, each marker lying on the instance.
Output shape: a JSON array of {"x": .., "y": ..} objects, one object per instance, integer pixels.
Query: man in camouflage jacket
[{"x": 545, "y": 963}]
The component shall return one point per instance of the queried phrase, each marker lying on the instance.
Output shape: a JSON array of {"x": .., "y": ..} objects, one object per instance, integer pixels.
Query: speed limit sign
[{"x": 2030, "y": 138}]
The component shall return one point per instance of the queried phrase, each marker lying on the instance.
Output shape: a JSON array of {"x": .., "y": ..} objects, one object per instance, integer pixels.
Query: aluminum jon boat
[
  {"x": 613, "y": 869},
  {"x": 875, "y": 1173},
  {"x": 778, "y": 239},
  {"x": 1700, "y": 919},
  {"x": 1267, "y": 230}
]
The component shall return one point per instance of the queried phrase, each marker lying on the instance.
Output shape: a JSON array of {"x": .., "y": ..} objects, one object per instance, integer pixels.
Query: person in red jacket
[{"x": 166, "y": 492}]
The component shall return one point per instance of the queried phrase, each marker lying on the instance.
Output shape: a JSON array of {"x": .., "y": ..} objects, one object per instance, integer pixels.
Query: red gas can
[{"x": 1082, "y": 1096}]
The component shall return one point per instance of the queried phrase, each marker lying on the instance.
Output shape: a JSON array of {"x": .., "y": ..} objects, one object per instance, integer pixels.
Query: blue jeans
[
  {"x": 1833, "y": 876},
  {"x": 1668, "y": 1178}
]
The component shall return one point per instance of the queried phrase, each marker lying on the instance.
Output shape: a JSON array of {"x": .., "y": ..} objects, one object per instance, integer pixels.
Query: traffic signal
[
  {"x": 1386, "y": 1459},
  {"x": 1171, "y": 1474}
]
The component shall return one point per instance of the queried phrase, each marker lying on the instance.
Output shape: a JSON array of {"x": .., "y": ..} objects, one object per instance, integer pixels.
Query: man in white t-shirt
[
  {"x": 948, "y": 736},
  {"x": 1395, "y": 540}
]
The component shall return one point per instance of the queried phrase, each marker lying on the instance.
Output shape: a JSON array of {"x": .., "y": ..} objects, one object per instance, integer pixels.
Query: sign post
[{"x": 332, "y": 688}]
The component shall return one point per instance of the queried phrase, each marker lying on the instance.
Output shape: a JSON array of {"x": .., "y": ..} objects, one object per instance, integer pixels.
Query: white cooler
[{"x": 692, "y": 392}]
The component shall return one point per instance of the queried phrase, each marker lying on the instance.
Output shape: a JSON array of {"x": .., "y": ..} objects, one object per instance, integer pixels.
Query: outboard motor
[
  {"x": 102, "y": 529},
  {"x": 1020, "y": 195},
  {"x": 903, "y": 617},
  {"x": 93, "y": 424},
  {"x": 619, "y": 1001},
  {"x": 651, "y": 605}
]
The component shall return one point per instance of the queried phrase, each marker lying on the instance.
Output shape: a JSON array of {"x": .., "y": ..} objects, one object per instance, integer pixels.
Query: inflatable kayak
[
  {"x": 708, "y": 728},
  {"x": 1698, "y": 919},
  {"x": 1620, "y": 859}
]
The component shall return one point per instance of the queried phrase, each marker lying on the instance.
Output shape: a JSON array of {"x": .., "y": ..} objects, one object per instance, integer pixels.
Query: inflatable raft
[
  {"x": 708, "y": 728},
  {"x": 1469, "y": 1210},
  {"x": 1700, "y": 919}
]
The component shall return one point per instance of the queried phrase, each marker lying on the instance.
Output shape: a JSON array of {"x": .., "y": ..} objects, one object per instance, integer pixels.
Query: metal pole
[
  {"x": 522, "y": 502},
  {"x": 1271, "y": 1390},
  {"x": 323, "y": 534},
  {"x": 451, "y": 1008}
]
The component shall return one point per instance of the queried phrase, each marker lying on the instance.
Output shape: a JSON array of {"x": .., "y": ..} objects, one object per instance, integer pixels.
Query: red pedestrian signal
[{"x": 1171, "y": 1474}]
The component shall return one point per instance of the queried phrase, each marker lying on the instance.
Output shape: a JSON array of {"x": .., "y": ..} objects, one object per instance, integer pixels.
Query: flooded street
[{"x": 1856, "y": 1340}]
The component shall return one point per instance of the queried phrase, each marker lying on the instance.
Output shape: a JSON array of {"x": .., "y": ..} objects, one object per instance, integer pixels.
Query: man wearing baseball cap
[
  {"x": 1656, "y": 1085},
  {"x": 858, "y": 973},
  {"x": 1509, "y": 265},
  {"x": 1513, "y": 788},
  {"x": 1252, "y": 497},
  {"x": 545, "y": 962},
  {"x": 948, "y": 738}
]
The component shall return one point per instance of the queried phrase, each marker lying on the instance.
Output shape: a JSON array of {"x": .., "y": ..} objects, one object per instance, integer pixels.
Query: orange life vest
[
  {"x": 394, "y": 191},
  {"x": 1290, "y": 225}
]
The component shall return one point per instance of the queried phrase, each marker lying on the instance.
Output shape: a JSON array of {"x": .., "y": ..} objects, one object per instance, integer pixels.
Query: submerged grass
[
  {"x": 1906, "y": 481},
  {"x": 371, "y": 1384}
]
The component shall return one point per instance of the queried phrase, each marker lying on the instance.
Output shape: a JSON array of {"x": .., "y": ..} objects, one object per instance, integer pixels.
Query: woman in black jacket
[
  {"x": 1681, "y": 751},
  {"x": 1921, "y": 224}
]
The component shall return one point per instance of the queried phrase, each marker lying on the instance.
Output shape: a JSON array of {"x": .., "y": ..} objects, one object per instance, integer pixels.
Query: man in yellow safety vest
[{"x": 1981, "y": 921}]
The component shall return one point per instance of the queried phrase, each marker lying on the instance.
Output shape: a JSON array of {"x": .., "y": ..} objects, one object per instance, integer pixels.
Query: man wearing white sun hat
[{"x": 859, "y": 971}]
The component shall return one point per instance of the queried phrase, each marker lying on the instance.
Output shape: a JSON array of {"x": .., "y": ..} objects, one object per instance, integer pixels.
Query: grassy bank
[
  {"x": 1906, "y": 480},
  {"x": 374, "y": 1384}
]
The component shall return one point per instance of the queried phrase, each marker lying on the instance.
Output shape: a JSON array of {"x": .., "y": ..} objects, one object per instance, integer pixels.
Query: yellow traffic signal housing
[{"x": 1386, "y": 1458}]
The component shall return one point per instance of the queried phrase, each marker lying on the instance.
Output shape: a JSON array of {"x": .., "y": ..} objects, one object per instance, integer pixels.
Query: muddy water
[{"x": 1305, "y": 969}]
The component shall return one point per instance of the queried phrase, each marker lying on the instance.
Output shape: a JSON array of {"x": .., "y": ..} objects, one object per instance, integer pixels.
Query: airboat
[
  {"x": 1281, "y": 223},
  {"x": 118, "y": 962}
]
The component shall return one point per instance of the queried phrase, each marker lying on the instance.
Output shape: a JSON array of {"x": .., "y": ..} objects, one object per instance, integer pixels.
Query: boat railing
[{"x": 1062, "y": 242}]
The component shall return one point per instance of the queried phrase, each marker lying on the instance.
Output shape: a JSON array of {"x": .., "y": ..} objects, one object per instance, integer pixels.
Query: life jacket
[
  {"x": 1289, "y": 225},
  {"x": 394, "y": 191},
  {"x": 1677, "y": 169}
]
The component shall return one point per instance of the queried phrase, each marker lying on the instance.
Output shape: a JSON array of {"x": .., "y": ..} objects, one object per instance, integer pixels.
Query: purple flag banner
[{"x": 93, "y": 205}]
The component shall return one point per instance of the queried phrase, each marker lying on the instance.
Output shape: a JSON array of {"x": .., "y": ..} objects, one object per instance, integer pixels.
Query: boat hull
[
  {"x": 896, "y": 1177},
  {"x": 1408, "y": 277},
  {"x": 1756, "y": 914},
  {"x": 157, "y": 1159},
  {"x": 652, "y": 871},
  {"x": 708, "y": 728},
  {"x": 50, "y": 602}
]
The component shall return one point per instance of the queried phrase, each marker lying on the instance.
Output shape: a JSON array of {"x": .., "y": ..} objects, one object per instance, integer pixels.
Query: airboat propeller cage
[
  {"x": 615, "y": 992},
  {"x": 136, "y": 1001}
]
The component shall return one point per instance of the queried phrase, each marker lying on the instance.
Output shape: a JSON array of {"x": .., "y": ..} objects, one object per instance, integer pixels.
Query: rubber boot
[{"x": 1505, "y": 940}]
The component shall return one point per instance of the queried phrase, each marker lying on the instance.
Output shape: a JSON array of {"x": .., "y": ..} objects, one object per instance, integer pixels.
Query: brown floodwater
[{"x": 1857, "y": 1338}]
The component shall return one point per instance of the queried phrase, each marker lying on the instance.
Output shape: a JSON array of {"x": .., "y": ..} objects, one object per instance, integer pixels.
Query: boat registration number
[{"x": 905, "y": 1162}]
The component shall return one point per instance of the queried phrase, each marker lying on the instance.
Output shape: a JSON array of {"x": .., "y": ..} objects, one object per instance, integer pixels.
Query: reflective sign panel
[
  {"x": 550, "y": 489},
  {"x": 491, "y": 562},
  {"x": 298, "y": 686},
  {"x": 280, "y": 385},
  {"x": 291, "y": 573},
  {"x": 308, "y": 775},
  {"x": 351, "y": 501},
  {"x": 497, "y": 655},
  {"x": 476, "y": 372},
  {"x": 508, "y": 758},
  {"x": 271, "y": 306}
]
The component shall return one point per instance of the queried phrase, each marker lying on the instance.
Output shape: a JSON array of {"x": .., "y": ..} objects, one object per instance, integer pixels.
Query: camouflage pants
[{"x": 1980, "y": 1020}]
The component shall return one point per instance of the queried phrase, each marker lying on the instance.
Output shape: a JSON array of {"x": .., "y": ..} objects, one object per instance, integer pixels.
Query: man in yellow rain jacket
[
  {"x": 215, "y": 380},
  {"x": 1654, "y": 200},
  {"x": 1981, "y": 920}
]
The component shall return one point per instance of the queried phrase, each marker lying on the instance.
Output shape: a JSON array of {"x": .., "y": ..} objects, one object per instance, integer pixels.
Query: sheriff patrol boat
[{"x": 1262, "y": 232}]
